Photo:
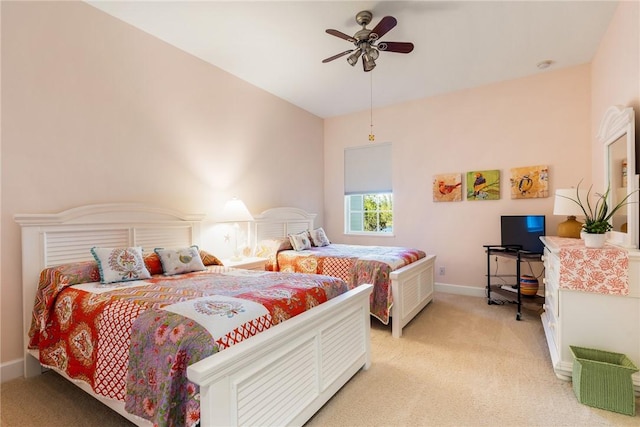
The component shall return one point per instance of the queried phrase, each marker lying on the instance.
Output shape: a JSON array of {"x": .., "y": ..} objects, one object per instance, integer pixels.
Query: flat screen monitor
[{"x": 523, "y": 230}]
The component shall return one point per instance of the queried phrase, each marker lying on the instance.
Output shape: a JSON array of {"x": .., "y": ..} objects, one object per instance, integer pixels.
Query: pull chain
[{"x": 372, "y": 137}]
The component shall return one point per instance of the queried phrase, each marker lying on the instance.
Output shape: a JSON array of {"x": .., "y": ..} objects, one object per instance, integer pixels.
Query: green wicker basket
[{"x": 602, "y": 379}]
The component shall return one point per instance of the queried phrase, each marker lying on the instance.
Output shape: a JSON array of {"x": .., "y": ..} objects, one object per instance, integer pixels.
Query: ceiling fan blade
[
  {"x": 384, "y": 26},
  {"x": 341, "y": 35},
  {"x": 331, "y": 58},
  {"x": 399, "y": 47}
]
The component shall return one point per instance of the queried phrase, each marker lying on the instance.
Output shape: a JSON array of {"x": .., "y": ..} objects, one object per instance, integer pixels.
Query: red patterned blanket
[
  {"x": 356, "y": 265},
  {"x": 134, "y": 342}
]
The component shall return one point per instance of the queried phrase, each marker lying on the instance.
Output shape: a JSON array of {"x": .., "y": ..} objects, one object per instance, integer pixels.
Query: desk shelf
[{"x": 513, "y": 295}]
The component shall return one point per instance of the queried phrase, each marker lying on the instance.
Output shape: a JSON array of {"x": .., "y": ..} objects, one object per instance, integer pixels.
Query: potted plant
[{"x": 598, "y": 215}]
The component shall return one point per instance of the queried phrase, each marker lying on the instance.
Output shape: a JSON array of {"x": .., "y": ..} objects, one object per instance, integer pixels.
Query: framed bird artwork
[
  {"x": 529, "y": 182},
  {"x": 447, "y": 187},
  {"x": 483, "y": 185}
]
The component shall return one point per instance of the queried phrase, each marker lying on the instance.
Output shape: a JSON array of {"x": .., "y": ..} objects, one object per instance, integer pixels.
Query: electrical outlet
[{"x": 441, "y": 271}]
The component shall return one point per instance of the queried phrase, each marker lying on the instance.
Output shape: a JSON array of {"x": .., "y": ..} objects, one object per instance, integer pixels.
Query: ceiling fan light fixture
[
  {"x": 367, "y": 41},
  {"x": 353, "y": 58},
  {"x": 368, "y": 63}
]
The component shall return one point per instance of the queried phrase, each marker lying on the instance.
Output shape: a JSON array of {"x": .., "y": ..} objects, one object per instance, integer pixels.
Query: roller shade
[{"x": 367, "y": 169}]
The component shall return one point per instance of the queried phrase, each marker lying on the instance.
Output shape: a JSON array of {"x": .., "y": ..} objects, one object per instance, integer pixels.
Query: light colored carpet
[{"x": 460, "y": 362}]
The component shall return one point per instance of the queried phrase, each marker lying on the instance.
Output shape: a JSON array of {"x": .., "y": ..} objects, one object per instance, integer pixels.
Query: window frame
[{"x": 348, "y": 212}]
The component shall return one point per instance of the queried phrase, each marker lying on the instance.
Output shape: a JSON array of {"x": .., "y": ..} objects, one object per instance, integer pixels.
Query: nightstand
[{"x": 248, "y": 263}]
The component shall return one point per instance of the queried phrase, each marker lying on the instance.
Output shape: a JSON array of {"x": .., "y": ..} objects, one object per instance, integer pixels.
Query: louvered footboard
[
  {"x": 412, "y": 288},
  {"x": 284, "y": 375}
]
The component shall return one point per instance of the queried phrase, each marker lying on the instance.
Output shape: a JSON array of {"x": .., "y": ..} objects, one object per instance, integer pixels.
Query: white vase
[{"x": 592, "y": 240}]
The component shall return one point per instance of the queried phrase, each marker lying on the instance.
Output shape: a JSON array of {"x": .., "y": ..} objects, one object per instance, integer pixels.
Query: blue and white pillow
[
  {"x": 181, "y": 260},
  {"x": 319, "y": 237},
  {"x": 300, "y": 241},
  {"x": 120, "y": 264}
]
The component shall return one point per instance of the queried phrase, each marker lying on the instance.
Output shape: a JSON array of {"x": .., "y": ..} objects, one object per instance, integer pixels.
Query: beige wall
[
  {"x": 551, "y": 118},
  {"x": 95, "y": 111},
  {"x": 615, "y": 80},
  {"x": 539, "y": 120}
]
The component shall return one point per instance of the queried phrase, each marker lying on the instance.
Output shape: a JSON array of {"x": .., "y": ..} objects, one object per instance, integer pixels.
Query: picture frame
[
  {"x": 483, "y": 185},
  {"x": 447, "y": 187},
  {"x": 529, "y": 182}
]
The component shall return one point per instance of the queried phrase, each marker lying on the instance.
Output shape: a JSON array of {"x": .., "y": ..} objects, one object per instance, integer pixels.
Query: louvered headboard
[
  {"x": 280, "y": 222},
  {"x": 53, "y": 239}
]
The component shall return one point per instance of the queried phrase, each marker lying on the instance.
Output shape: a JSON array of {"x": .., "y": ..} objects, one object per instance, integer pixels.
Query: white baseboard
[
  {"x": 11, "y": 370},
  {"x": 472, "y": 291}
]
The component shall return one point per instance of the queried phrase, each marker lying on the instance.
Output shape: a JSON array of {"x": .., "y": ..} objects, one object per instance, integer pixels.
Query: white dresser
[{"x": 579, "y": 310}]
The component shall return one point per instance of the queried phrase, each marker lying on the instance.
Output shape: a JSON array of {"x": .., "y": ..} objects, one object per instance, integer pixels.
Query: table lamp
[
  {"x": 236, "y": 211},
  {"x": 563, "y": 206}
]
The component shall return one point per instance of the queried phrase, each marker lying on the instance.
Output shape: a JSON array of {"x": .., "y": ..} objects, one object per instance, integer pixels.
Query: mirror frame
[{"x": 617, "y": 122}]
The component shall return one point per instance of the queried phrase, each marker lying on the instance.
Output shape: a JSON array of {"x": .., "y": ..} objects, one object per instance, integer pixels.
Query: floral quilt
[
  {"x": 133, "y": 342},
  {"x": 356, "y": 265}
]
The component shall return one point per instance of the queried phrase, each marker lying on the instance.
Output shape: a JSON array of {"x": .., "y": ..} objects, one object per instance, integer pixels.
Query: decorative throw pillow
[
  {"x": 318, "y": 237},
  {"x": 120, "y": 264},
  {"x": 153, "y": 264},
  {"x": 300, "y": 241},
  {"x": 208, "y": 259},
  {"x": 181, "y": 260}
]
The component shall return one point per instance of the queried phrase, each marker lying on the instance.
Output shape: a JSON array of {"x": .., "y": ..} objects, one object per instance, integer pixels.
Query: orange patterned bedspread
[
  {"x": 132, "y": 342},
  {"x": 356, "y": 265}
]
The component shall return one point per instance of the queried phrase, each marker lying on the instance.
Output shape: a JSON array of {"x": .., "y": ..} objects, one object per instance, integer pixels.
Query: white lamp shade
[
  {"x": 563, "y": 206},
  {"x": 235, "y": 211}
]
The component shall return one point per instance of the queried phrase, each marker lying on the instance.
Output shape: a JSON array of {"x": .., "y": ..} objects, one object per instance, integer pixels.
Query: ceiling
[{"x": 279, "y": 45}]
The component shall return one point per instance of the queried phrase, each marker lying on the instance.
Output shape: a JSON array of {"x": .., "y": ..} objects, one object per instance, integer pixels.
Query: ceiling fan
[{"x": 367, "y": 42}]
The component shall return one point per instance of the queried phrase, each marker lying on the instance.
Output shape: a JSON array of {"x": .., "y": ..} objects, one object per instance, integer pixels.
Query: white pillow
[
  {"x": 120, "y": 264},
  {"x": 319, "y": 238},
  {"x": 300, "y": 241},
  {"x": 181, "y": 260}
]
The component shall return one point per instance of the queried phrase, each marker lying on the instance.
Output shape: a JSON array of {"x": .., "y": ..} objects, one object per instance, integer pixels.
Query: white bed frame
[
  {"x": 412, "y": 286},
  {"x": 279, "y": 377}
]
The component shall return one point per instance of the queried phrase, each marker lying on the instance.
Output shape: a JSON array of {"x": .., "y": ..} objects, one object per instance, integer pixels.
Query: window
[
  {"x": 368, "y": 190},
  {"x": 369, "y": 213}
]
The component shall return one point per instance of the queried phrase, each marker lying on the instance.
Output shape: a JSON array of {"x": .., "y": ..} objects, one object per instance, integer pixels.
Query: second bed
[{"x": 403, "y": 278}]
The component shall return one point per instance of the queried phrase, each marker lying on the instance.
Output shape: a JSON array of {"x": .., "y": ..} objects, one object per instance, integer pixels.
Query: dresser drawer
[
  {"x": 551, "y": 301},
  {"x": 551, "y": 279},
  {"x": 551, "y": 266},
  {"x": 551, "y": 294}
]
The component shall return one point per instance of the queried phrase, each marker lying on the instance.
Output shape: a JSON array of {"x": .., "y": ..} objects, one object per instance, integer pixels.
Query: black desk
[{"x": 512, "y": 252}]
